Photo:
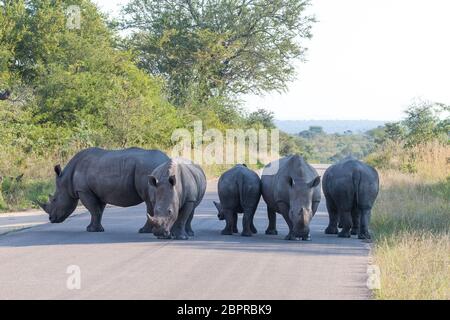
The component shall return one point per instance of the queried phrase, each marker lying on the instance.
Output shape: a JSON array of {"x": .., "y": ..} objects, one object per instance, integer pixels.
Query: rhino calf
[
  {"x": 175, "y": 189},
  {"x": 239, "y": 192},
  {"x": 350, "y": 188},
  {"x": 98, "y": 177},
  {"x": 291, "y": 187}
]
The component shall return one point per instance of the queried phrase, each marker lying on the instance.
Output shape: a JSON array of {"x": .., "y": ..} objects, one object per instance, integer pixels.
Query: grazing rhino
[
  {"x": 350, "y": 188},
  {"x": 291, "y": 187},
  {"x": 98, "y": 177},
  {"x": 239, "y": 192},
  {"x": 175, "y": 189}
]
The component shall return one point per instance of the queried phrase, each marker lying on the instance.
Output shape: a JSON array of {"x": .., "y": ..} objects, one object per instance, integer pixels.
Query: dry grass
[
  {"x": 411, "y": 223},
  {"x": 414, "y": 265}
]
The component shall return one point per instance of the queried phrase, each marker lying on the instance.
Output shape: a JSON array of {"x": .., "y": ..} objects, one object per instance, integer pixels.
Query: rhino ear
[
  {"x": 172, "y": 180},
  {"x": 315, "y": 182},
  {"x": 58, "y": 170},
  {"x": 218, "y": 206},
  {"x": 152, "y": 181}
]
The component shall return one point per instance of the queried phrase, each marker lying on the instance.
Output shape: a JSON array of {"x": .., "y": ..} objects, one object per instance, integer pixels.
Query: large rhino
[
  {"x": 291, "y": 187},
  {"x": 350, "y": 188},
  {"x": 239, "y": 191},
  {"x": 98, "y": 177},
  {"x": 175, "y": 190}
]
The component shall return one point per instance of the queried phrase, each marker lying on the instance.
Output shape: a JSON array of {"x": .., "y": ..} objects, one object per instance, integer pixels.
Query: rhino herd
[{"x": 172, "y": 189}]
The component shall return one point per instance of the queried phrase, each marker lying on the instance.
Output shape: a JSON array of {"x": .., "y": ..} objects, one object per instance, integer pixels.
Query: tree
[
  {"x": 12, "y": 30},
  {"x": 316, "y": 129},
  {"x": 261, "y": 118},
  {"x": 423, "y": 123},
  {"x": 394, "y": 131},
  {"x": 218, "y": 47},
  {"x": 84, "y": 91},
  {"x": 311, "y": 132}
]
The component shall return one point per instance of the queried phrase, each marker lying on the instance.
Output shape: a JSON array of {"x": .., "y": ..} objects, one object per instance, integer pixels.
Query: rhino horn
[
  {"x": 153, "y": 221},
  {"x": 44, "y": 206}
]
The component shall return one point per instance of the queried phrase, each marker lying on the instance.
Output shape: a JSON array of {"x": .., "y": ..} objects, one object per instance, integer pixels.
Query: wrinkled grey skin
[
  {"x": 98, "y": 177},
  {"x": 175, "y": 189},
  {"x": 350, "y": 188},
  {"x": 294, "y": 192},
  {"x": 239, "y": 192}
]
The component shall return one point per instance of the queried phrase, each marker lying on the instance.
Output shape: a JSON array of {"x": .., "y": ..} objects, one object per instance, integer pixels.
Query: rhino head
[
  {"x": 61, "y": 204},
  {"x": 165, "y": 201},
  {"x": 300, "y": 204}
]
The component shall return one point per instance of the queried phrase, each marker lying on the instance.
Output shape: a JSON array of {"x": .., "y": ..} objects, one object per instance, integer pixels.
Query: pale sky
[{"x": 368, "y": 59}]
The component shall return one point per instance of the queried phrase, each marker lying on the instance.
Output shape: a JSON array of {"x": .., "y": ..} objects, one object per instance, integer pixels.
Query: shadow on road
[{"x": 121, "y": 229}]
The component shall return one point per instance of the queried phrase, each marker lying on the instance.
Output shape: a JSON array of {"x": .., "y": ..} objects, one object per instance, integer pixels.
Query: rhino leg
[
  {"x": 96, "y": 208},
  {"x": 188, "y": 227},
  {"x": 364, "y": 224},
  {"x": 252, "y": 226},
  {"x": 290, "y": 235},
  {"x": 229, "y": 218},
  {"x": 272, "y": 228},
  {"x": 179, "y": 228},
  {"x": 355, "y": 222},
  {"x": 334, "y": 218},
  {"x": 247, "y": 223},
  {"x": 346, "y": 219},
  {"x": 235, "y": 221}
]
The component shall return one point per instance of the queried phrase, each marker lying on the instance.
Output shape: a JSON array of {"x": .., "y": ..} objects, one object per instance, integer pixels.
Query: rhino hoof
[
  {"x": 272, "y": 232},
  {"x": 246, "y": 234},
  {"x": 344, "y": 234},
  {"x": 291, "y": 238},
  {"x": 181, "y": 237},
  {"x": 254, "y": 231},
  {"x": 94, "y": 228},
  {"x": 331, "y": 230},
  {"x": 306, "y": 238},
  {"x": 354, "y": 232},
  {"x": 364, "y": 236},
  {"x": 190, "y": 233},
  {"x": 235, "y": 230},
  {"x": 226, "y": 233}
]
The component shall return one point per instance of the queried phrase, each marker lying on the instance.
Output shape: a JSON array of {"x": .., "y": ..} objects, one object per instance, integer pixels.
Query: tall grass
[{"x": 411, "y": 224}]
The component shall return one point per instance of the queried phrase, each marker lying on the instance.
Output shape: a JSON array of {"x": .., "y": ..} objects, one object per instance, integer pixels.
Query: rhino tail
[
  {"x": 356, "y": 177},
  {"x": 240, "y": 186}
]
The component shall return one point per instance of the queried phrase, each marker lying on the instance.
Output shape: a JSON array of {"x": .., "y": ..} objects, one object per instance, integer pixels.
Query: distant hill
[{"x": 329, "y": 126}]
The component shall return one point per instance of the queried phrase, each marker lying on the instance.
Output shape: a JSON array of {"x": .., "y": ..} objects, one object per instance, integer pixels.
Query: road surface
[{"x": 122, "y": 264}]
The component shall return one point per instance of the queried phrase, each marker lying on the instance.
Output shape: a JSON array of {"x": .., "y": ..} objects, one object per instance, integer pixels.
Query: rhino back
[
  {"x": 275, "y": 187},
  {"x": 117, "y": 177},
  {"x": 193, "y": 183},
  {"x": 191, "y": 180},
  {"x": 351, "y": 182},
  {"x": 239, "y": 188}
]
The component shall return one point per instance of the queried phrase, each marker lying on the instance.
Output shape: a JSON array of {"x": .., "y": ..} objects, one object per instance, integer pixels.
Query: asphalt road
[{"x": 122, "y": 264}]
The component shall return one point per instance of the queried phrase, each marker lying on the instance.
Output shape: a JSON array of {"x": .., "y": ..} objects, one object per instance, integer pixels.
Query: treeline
[
  {"x": 391, "y": 146},
  {"x": 403, "y": 145},
  {"x": 320, "y": 147}
]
